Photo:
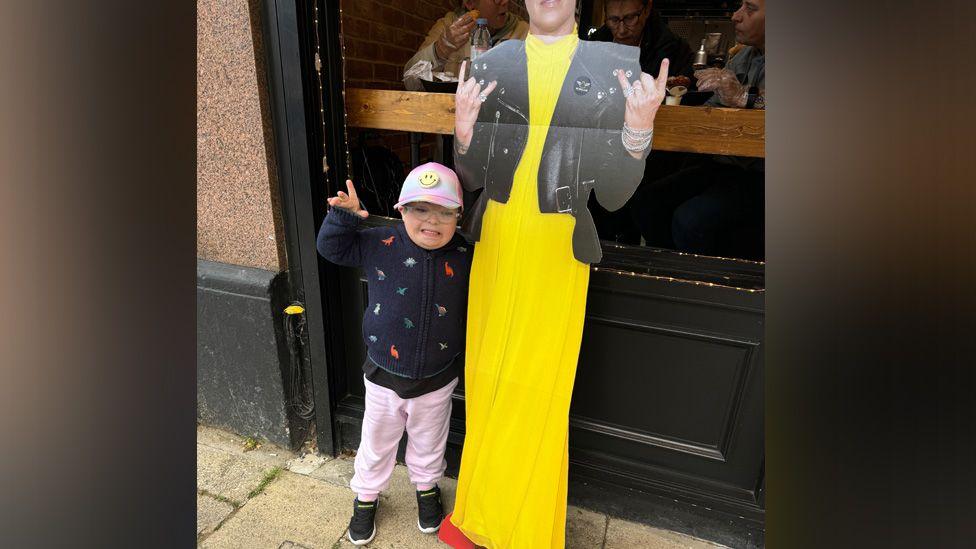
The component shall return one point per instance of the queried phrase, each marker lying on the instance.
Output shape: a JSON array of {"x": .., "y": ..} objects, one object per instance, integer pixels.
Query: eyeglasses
[
  {"x": 628, "y": 19},
  {"x": 425, "y": 213}
]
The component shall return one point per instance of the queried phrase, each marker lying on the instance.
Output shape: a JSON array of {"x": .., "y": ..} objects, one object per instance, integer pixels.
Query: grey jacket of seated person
[
  {"x": 583, "y": 150},
  {"x": 749, "y": 66}
]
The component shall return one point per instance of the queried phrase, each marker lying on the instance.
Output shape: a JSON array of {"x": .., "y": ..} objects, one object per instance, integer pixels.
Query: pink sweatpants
[{"x": 427, "y": 419}]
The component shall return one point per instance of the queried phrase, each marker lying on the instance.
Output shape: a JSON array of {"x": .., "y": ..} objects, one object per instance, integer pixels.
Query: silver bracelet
[
  {"x": 637, "y": 133},
  {"x": 636, "y": 141},
  {"x": 637, "y": 148}
]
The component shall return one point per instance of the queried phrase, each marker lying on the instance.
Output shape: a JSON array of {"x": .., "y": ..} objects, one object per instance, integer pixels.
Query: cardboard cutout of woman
[{"x": 539, "y": 125}]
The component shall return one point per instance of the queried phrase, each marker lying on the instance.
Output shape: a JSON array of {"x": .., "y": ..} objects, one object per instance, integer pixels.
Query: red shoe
[{"x": 450, "y": 535}]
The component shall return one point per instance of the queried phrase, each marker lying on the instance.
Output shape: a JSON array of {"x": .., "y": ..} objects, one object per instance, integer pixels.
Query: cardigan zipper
[{"x": 425, "y": 317}]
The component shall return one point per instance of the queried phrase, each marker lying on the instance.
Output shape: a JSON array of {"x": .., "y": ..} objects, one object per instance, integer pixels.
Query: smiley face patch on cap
[
  {"x": 434, "y": 183},
  {"x": 429, "y": 178}
]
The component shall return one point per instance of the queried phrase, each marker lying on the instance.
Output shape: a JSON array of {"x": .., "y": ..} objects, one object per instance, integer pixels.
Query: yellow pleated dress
[{"x": 526, "y": 306}]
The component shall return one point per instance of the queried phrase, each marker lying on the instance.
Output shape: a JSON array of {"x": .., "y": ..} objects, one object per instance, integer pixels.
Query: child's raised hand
[{"x": 348, "y": 201}]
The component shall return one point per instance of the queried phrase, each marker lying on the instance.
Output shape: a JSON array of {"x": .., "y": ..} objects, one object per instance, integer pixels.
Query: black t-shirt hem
[{"x": 409, "y": 388}]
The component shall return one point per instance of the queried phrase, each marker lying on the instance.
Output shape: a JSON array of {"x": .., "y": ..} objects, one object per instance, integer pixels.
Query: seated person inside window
[
  {"x": 716, "y": 207},
  {"x": 637, "y": 23},
  {"x": 449, "y": 41}
]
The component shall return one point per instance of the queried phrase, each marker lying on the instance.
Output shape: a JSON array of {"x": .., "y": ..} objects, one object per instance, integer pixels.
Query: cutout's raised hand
[
  {"x": 467, "y": 103},
  {"x": 644, "y": 97}
]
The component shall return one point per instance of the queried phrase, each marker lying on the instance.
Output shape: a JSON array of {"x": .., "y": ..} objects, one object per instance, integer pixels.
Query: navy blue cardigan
[{"x": 414, "y": 323}]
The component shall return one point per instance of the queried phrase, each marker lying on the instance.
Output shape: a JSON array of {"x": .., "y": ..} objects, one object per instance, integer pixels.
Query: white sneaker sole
[
  {"x": 362, "y": 541},
  {"x": 428, "y": 530}
]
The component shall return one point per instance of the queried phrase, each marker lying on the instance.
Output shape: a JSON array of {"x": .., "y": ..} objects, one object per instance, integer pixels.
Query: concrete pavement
[{"x": 269, "y": 497}]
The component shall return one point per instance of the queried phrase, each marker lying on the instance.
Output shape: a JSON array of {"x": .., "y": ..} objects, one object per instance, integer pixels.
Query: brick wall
[{"x": 378, "y": 37}]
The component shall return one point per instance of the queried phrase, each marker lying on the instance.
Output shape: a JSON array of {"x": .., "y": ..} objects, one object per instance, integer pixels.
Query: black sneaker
[
  {"x": 362, "y": 526},
  {"x": 430, "y": 512}
]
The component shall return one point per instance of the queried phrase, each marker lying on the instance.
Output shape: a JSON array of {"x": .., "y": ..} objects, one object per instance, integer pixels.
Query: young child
[{"x": 414, "y": 328}]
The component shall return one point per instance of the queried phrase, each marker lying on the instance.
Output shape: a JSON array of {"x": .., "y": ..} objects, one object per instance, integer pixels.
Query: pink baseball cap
[{"x": 431, "y": 182}]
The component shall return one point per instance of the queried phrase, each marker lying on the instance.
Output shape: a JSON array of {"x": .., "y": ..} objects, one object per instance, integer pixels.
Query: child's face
[{"x": 428, "y": 225}]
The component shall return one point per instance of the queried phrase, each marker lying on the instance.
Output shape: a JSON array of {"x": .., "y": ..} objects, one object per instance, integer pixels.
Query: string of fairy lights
[
  {"x": 633, "y": 274},
  {"x": 321, "y": 96},
  {"x": 689, "y": 254}
]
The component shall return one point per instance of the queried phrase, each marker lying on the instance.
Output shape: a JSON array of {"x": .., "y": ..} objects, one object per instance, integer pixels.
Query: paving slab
[
  {"x": 308, "y": 505},
  {"x": 585, "y": 529},
  {"x": 293, "y": 511},
  {"x": 622, "y": 534},
  {"x": 210, "y": 513},
  {"x": 265, "y": 454},
  {"x": 226, "y": 474},
  {"x": 337, "y": 472},
  {"x": 307, "y": 463},
  {"x": 291, "y": 545}
]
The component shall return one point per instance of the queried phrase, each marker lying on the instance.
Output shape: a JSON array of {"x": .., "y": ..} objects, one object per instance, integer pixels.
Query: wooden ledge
[{"x": 737, "y": 132}]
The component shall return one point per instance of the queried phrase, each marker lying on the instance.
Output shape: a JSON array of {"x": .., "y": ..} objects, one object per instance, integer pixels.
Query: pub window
[{"x": 399, "y": 115}]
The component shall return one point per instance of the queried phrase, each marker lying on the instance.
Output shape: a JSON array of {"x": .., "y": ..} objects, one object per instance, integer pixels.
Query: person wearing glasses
[
  {"x": 414, "y": 330},
  {"x": 636, "y": 23}
]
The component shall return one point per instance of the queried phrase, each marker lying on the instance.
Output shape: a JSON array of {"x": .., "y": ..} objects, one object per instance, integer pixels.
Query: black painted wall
[{"x": 243, "y": 366}]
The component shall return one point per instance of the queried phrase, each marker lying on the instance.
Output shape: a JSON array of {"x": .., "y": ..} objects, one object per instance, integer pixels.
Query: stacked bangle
[{"x": 636, "y": 141}]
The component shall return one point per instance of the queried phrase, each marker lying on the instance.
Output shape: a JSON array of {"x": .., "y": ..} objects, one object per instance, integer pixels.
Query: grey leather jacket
[{"x": 583, "y": 150}]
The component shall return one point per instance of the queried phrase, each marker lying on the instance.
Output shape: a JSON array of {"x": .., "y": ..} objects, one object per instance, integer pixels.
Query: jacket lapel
[{"x": 584, "y": 93}]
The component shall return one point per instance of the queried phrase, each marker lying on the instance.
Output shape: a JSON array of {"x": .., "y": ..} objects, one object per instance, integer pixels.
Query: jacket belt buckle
[{"x": 564, "y": 200}]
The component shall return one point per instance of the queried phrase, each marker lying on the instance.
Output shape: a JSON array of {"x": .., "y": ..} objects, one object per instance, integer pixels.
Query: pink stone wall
[{"x": 238, "y": 219}]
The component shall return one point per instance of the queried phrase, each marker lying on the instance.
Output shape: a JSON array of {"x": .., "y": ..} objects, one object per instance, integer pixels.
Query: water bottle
[
  {"x": 480, "y": 39},
  {"x": 700, "y": 60}
]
